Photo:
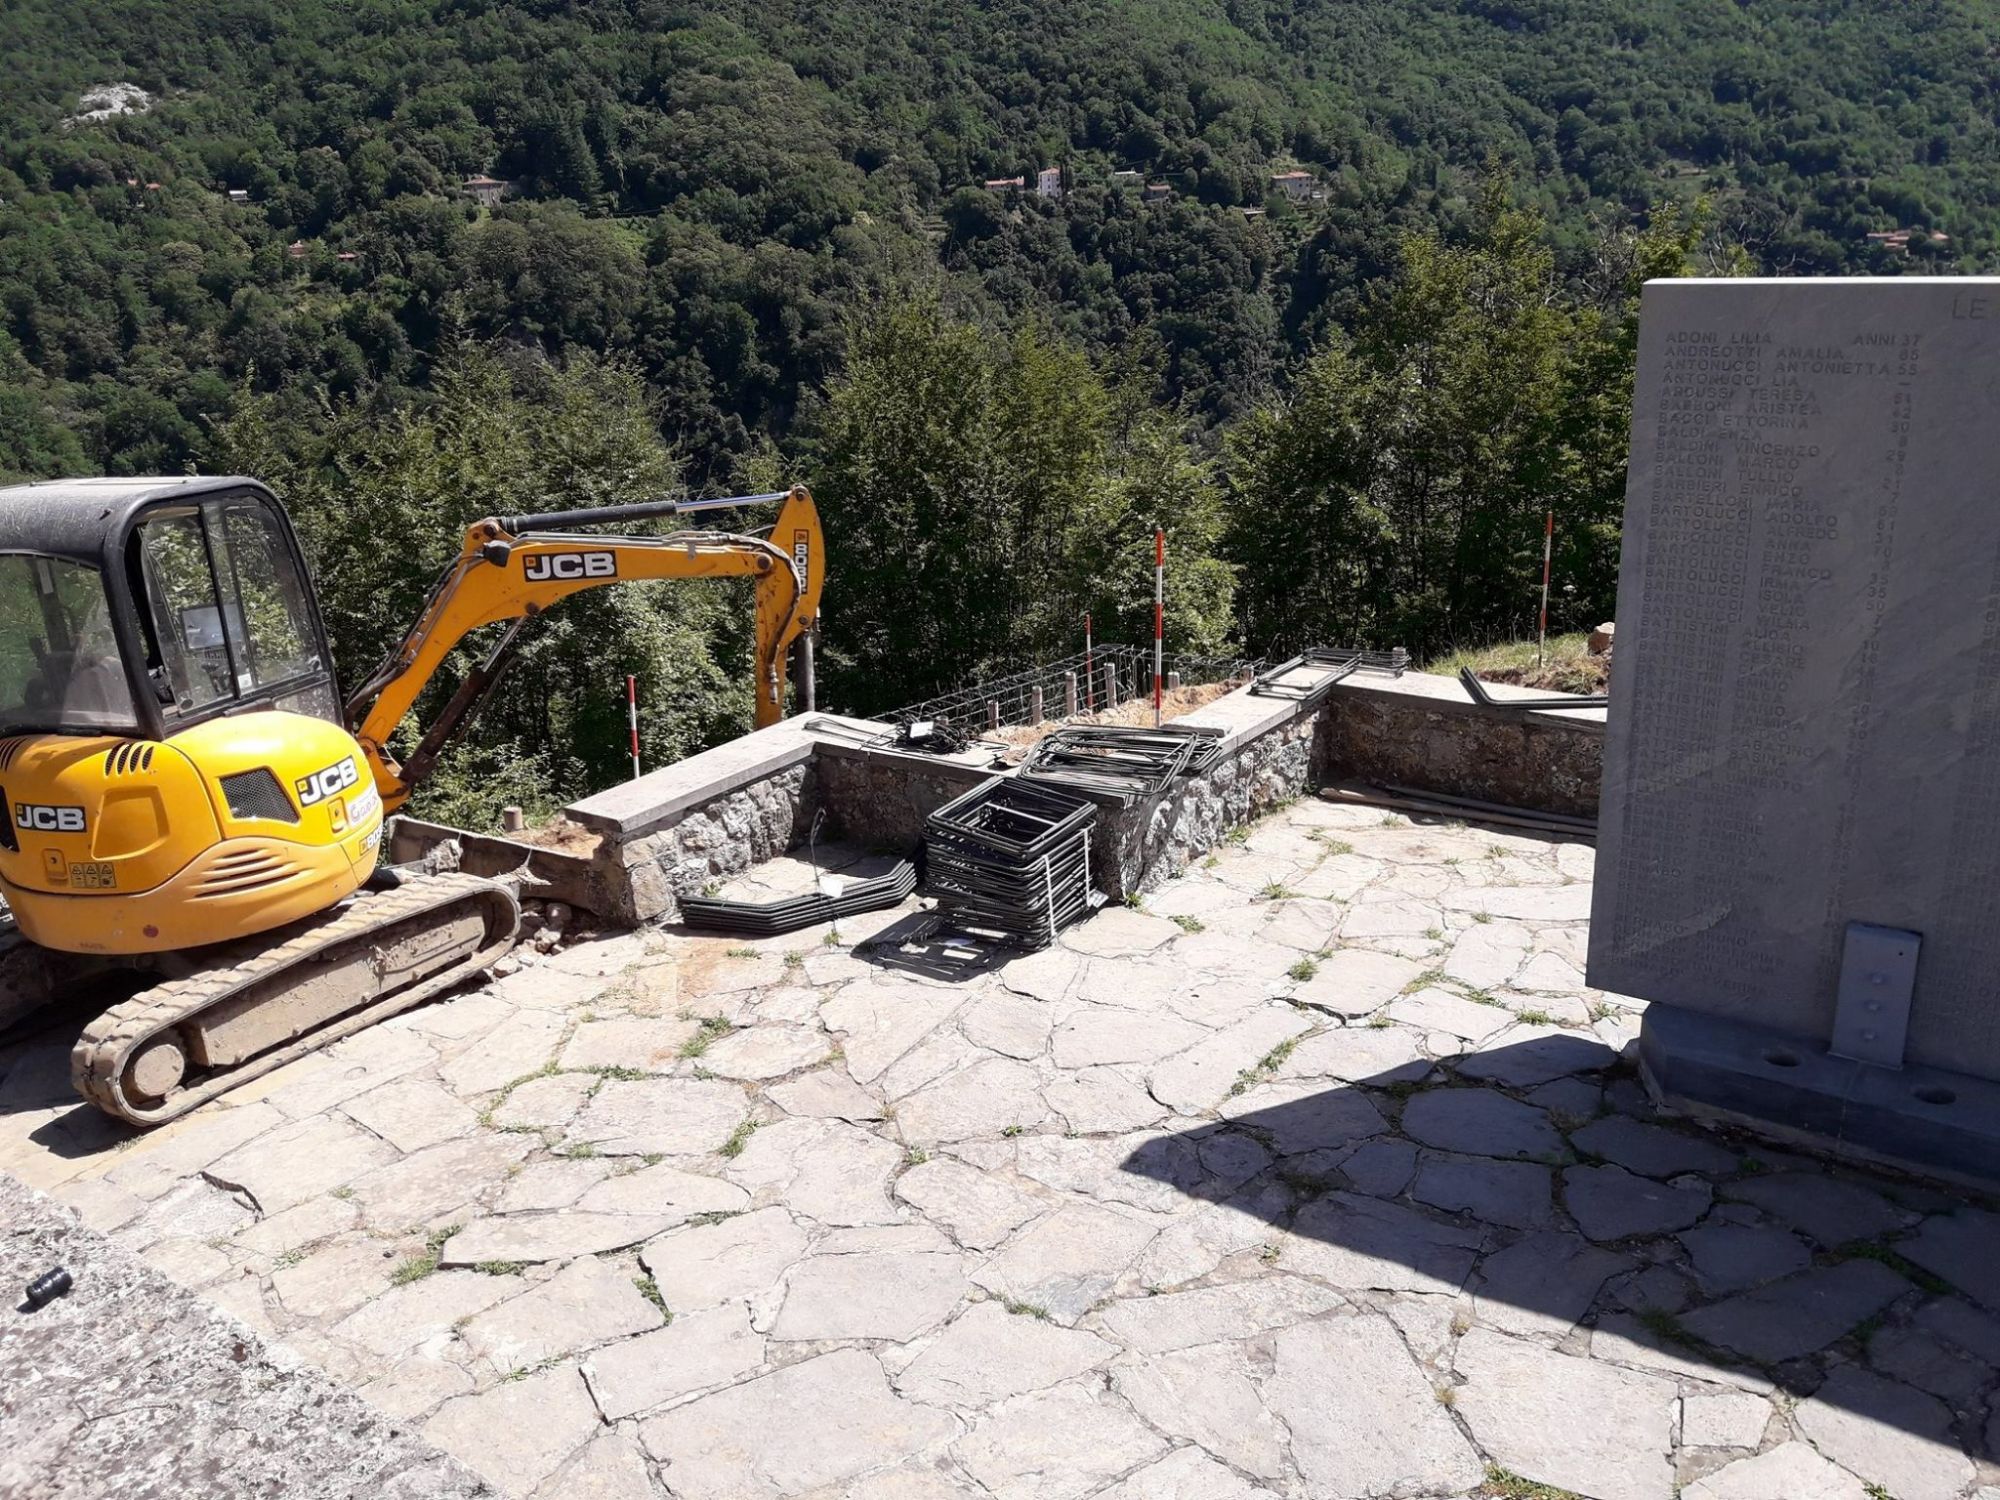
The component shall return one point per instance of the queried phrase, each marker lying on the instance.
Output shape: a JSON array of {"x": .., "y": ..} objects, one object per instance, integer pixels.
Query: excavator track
[{"x": 182, "y": 1043}]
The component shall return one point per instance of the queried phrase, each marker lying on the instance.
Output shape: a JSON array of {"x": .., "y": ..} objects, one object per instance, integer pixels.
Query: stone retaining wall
[
  {"x": 711, "y": 842},
  {"x": 685, "y": 827},
  {"x": 1423, "y": 732},
  {"x": 882, "y": 798}
]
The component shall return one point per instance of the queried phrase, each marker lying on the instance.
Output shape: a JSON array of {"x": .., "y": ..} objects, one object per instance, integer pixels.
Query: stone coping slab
[
  {"x": 635, "y": 808},
  {"x": 131, "y": 1384},
  {"x": 1431, "y": 690}
]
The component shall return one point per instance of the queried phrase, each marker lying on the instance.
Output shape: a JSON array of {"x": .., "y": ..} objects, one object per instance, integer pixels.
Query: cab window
[
  {"x": 226, "y": 605},
  {"x": 59, "y": 662}
]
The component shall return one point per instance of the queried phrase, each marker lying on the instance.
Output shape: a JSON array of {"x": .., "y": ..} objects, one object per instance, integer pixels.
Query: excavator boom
[{"x": 514, "y": 567}]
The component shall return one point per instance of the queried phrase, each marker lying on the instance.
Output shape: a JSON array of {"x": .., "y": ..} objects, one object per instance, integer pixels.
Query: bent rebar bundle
[
  {"x": 1476, "y": 690},
  {"x": 1011, "y": 857},
  {"x": 769, "y": 918},
  {"x": 1124, "y": 762}
]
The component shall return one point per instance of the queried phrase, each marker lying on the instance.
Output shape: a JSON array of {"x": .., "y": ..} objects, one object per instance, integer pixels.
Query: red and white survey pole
[
  {"x": 632, "y": 718},
  {"x": 1548, "y": 550},
  {"x": 1089, "y": 671},
  {"x": 1159, "y": 618}
]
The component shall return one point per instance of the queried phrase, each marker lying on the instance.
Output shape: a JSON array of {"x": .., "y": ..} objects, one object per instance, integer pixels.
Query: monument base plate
[{"x": 1941, "y": 1123}]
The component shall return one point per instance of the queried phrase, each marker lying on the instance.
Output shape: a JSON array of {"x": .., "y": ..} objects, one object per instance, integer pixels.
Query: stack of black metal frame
[
  {"x": 1311, "y": 675},
  {"x": 1122, "y": 761},
  {"x": 1011, "y": 858},
  {"x": 769, "y": 918}
]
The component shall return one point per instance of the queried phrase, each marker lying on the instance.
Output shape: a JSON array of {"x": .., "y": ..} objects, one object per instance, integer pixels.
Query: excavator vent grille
[
  {"x": 8, "y": 750},
  {"x": 256, "y": 794},
  {"x": 245, "y": 870},
  {"x": 133, "y": 755}
]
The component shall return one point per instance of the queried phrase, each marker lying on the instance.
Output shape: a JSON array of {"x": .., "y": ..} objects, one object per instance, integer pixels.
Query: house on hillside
[
  {"x": 1297, "y": 186},
  {"x": 237, "y": 195},
  {"x": 1898, "y": 241},
  {"x": 1128, "y": 180},
  {"x": 485, "y": 191},
  {"x": 1004, "y": 184},
  {"x": 1156, "y": 192},
  {"x": 1252, "y": 214},
  {"x": 1049, "y": 182},
  {"x": 297, "y": 249}
]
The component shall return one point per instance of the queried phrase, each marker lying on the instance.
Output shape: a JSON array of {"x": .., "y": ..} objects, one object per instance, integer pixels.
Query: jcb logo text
[
  {"x": 45, "y": 819},
  {"x": 541, "y": 567},
  {"x": 331, "y": 782}
]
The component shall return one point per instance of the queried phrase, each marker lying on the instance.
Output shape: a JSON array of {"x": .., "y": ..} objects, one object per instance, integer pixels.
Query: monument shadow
[{"x": 1538, "y": 1178}]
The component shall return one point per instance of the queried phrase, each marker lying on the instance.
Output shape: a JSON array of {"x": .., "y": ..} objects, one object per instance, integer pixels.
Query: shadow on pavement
[{"x": 1537, "y": 1179}]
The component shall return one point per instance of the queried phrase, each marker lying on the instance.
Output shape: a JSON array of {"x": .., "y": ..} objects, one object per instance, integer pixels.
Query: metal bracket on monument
[{"x": 1878, "y": 977}]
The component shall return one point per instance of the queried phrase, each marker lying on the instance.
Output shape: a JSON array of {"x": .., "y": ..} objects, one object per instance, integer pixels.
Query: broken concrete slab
[
  {"x": 1481, "y": 1122},
  {"x": 736, "y": 1259},
  {"x": 1790, "y": 1471}
]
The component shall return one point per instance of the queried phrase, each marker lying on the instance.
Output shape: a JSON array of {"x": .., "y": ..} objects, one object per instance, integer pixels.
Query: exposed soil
[
  {"x": 1137, "y": 713},
  {"x": 560, "y": 835}
]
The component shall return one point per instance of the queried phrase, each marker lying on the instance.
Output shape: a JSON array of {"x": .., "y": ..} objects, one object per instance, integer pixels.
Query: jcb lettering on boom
[{"x": 540, "y": 567}]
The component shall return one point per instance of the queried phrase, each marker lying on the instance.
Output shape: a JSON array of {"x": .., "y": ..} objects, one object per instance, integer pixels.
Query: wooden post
[
  {"x": 1110, "y": 686},
  {"x": 993, "y": 715},
  {"x": 1035, "y": 704},
  {"x": 1069, "y": 695},
  {"x": 1173, "y": 682}
]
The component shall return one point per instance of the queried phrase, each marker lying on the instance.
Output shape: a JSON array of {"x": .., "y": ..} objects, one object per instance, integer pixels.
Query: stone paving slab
[{"x": 1322, "y": 1175}]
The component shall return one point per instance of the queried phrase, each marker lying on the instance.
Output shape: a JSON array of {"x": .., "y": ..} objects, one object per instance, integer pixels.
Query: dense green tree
[
  {"x": 1397, "y": 495},
  {"x": 982, "y": 493}
]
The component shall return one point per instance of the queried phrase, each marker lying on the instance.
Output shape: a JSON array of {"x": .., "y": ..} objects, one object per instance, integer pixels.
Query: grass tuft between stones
[
  {"x": 738, "y": 1139},
  {"x": 711, "y": 1030},
  {"x": 651, "y": 1292},
  {"x": 1501, "y": 1485},
  {"x": 417, "y": 1267}
]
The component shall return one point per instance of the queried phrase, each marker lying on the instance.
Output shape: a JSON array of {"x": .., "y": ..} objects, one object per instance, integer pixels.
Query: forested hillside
[{"x": 742, "y": 228}]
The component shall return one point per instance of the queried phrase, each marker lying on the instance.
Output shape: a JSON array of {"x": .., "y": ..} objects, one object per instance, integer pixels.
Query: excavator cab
[
  {"x": 174, "y": 768},
  {"x": 145, "y": 607}
]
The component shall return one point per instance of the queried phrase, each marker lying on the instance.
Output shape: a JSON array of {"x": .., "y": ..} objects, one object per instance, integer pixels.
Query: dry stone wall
[
  {"x": 1522, "y": 760},
  {"x": 711, "y": 842}
]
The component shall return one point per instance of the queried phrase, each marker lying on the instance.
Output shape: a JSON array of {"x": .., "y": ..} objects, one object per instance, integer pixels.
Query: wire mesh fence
[{"x": 1088, "y": 682}]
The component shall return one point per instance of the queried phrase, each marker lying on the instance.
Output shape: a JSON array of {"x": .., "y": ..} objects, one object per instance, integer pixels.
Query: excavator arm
[{"x": 512, "y": 568}]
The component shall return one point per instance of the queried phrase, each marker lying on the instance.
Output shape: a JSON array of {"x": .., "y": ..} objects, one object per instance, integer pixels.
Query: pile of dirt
[
  {"x": 1138, "y": 712},
  {"x": 560, "y": 835}
]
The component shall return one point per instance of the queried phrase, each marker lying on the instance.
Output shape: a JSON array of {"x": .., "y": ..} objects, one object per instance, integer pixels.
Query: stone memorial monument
[{"x": 1799, "y": 856}]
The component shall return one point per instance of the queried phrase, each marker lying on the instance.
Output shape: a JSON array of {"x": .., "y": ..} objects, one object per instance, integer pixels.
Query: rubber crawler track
[{"x": 97, "y": 1063}]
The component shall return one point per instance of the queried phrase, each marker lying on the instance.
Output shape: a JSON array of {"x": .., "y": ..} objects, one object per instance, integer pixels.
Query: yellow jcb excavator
[{"x": 180, "y": 790}]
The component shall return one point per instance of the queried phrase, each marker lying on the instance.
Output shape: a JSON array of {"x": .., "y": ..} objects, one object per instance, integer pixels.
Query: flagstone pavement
[{"x": 1319, "y": 1174}]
